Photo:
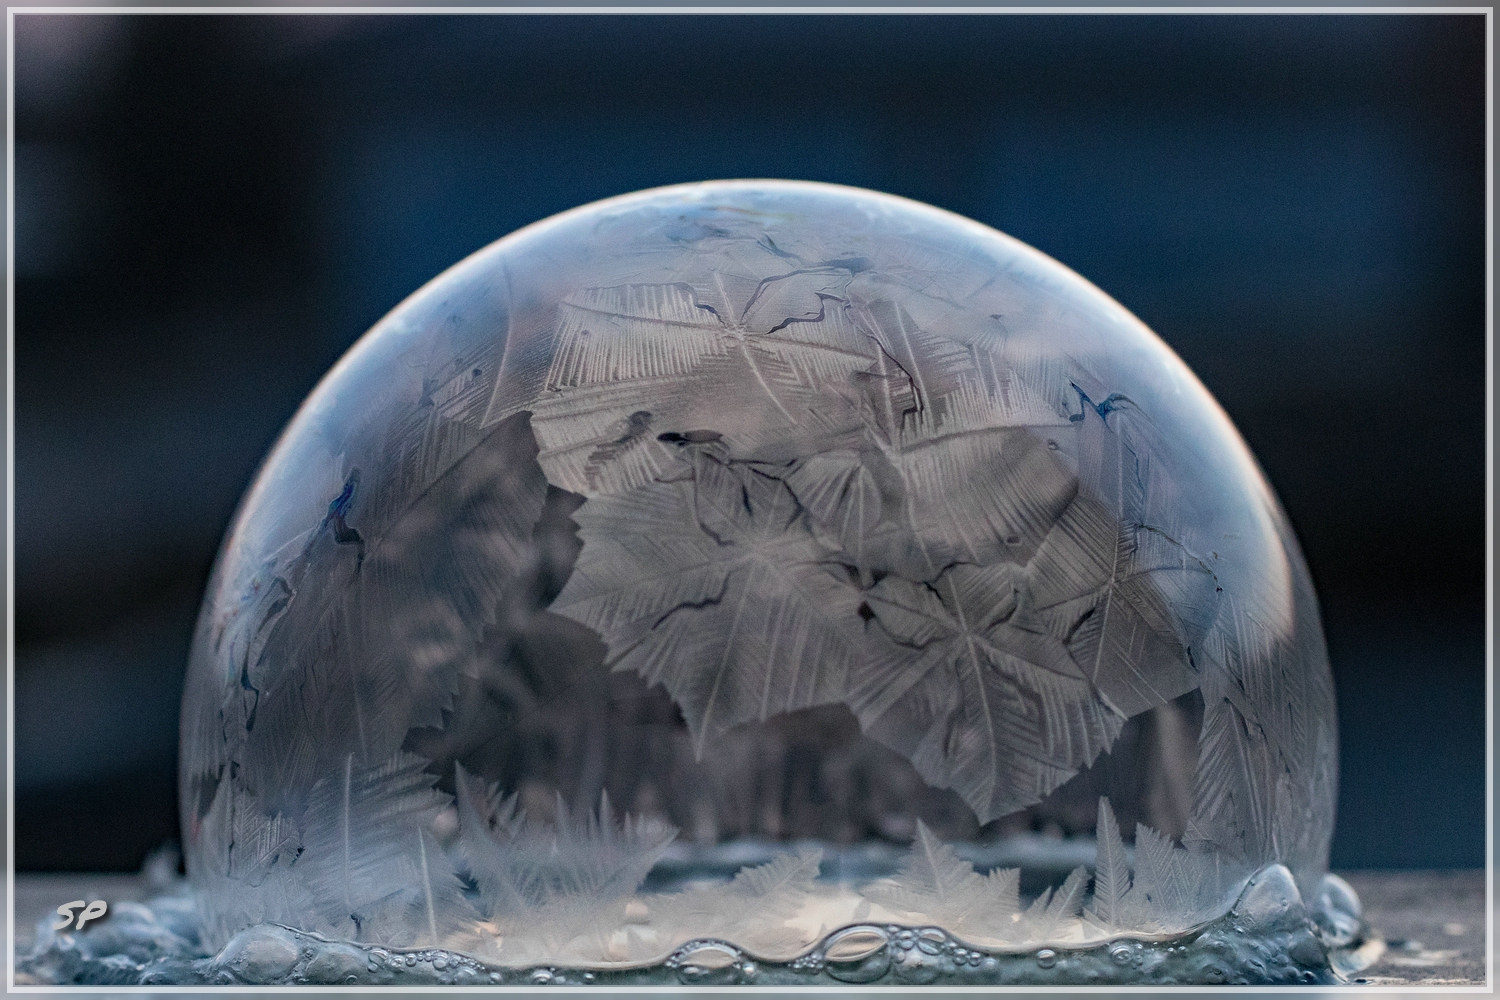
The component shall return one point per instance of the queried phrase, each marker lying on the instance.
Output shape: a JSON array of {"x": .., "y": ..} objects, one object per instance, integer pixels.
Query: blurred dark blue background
[{"x": 209, "y": 211}]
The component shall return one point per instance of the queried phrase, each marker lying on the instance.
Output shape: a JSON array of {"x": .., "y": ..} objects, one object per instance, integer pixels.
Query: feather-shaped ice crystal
[{"x": 792, "y": 520}]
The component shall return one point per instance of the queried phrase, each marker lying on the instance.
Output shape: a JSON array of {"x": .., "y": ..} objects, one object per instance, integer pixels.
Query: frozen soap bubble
[{"x": 763, "y": 582}]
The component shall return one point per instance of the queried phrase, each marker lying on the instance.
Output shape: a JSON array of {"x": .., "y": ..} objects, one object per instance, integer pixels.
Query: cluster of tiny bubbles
[{"x": 861, "y": 954}]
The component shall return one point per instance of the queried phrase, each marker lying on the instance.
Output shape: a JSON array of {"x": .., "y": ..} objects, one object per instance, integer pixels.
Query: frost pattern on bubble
[{"x": 762, "y": 451}]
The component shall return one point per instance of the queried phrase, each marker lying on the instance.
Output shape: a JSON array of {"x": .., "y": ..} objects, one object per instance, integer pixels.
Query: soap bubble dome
[{"x": 762, "y": 582}]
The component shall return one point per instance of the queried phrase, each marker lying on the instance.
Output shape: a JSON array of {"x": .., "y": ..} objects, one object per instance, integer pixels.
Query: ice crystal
[
  {"x": 1172, "y": 891},
  {"x": 754, "y": 908},
  {"x": 551, "y": 884},
  {"x": 935, "y": 884},
  {"x": 776, "y": 514},
  {"x": 1111, "y": 873}
]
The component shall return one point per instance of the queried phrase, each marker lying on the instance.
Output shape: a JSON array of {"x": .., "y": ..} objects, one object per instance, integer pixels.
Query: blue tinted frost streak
[
  {"x": 427, "y": 886},
  {"x": 934, "y": 861},
  {"x": 663, "y": 320},
  {"x": 500, "y": 370},
  {"x": 796, "y": 659},
  {"x": 791, "y": 687},
  {"x": 749, "y": 358},
  {"x": 734, "y": 628},
  {"x": 802, "y": 345},
  {"x": 1104, "y": 409},
  {"x": 348, "y": 849},
  {"x": 978, "y": 669},
  {"x": 1109, "y": 598},
  {"x": 916, "y": 370}
]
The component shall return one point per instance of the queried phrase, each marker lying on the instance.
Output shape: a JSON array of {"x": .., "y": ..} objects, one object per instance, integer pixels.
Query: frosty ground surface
[{"x": 1434, "y": 921}]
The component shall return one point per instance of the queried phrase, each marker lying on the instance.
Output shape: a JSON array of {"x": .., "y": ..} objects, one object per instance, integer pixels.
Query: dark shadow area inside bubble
[
  {"x": 538, "y": 713},
  {"x": 1148, "y": 775}
]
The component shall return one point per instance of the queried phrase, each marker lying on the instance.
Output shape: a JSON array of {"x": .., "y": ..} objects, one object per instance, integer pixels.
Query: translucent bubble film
[{"x": 762, "y": 582}]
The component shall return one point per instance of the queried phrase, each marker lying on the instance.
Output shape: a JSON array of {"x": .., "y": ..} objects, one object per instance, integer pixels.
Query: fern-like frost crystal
[{"x": 744, "y": 563}]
